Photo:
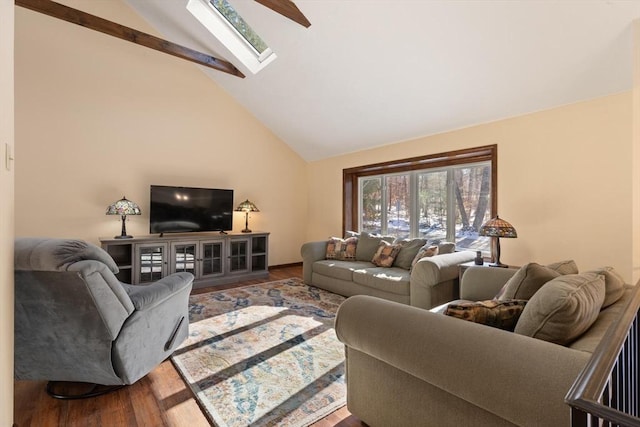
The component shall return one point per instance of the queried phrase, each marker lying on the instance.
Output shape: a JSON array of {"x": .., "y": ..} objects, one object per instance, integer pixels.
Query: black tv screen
[{"x": 187, "y": 209}]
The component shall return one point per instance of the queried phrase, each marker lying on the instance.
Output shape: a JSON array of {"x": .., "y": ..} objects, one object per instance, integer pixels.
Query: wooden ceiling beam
[
  {"x": 96, "y": 23},
  {"x": 287, "y": 8}
]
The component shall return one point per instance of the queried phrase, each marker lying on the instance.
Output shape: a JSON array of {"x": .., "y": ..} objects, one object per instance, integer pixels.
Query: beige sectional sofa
[
  {"x": 408, "y": 366},
  {"x": 430, "y": 282}
]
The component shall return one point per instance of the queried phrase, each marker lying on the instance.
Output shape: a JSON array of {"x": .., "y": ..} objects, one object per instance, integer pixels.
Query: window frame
[
  {"x": 229, "y": 37},
  {"x": 350, "y": 176}
]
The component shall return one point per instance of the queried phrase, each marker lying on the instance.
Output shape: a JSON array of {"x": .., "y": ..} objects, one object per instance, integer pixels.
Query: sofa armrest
[
  {"x": 483, "y": 283},
  {"x": 311, "y": 252},
  {"x": 429, "y": 272},
  {"x": 518, "y": 378}
]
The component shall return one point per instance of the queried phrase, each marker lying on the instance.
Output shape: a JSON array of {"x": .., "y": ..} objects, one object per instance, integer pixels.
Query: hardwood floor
[{"x": 161, "y": 398}]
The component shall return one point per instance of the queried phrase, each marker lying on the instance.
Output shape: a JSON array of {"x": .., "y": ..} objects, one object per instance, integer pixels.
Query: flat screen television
[{"x": 188, "y": 209}]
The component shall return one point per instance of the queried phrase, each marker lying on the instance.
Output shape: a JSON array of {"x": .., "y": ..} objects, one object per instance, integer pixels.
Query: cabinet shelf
[{"x": 211, "y": 257}]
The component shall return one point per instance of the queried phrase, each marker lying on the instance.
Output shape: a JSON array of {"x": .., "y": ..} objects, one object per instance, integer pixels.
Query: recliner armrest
[{"x": 144, "y": 297}]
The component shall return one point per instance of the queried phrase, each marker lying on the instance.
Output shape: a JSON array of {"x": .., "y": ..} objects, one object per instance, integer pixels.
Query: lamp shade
[
  {"x": 247, "y": 206},
  {"x": 498, "y": 227},
  {"x": 123, "y": 207}
]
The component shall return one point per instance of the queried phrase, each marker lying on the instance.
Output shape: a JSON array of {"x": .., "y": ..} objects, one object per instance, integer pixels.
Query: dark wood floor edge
[{"x": 279, "y": 266}]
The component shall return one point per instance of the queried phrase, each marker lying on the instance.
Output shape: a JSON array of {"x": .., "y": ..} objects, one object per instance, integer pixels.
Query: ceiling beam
[
  {"x": 95, "y": 23},
  {"x": 287, "y": 8}
]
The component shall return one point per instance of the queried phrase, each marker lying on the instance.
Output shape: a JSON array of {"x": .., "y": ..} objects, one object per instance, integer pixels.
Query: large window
[{"x": 443, "y": 197}]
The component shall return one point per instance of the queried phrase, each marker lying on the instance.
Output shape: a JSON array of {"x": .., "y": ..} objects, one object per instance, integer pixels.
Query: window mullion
[
  {"x": 383, "y": 208},
  {"x": 414, "y": 210},
  {"x": 451, "y": 207}
]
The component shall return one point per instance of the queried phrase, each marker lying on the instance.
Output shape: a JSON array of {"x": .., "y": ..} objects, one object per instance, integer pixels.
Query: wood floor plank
[{"x": 161, "y": 398}]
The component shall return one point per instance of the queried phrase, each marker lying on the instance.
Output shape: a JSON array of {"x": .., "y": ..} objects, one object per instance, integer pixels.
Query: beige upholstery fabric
[
  {"x": 614, "y": 285},
  {"x": 519, "y": 380},
  {"x": 446, "y": 247},
  {"x": 408, "y": 251},
  {"x": 563, "y": 309},
  {"x": 368, "y": 244},
  {"x": 527, "y": 280},
  {"x": 425, "y": 252},
  {"x": 564, "y": 267}
]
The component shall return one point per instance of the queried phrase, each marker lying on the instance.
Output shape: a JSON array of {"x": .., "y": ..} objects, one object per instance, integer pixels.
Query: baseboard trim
[{"x": 293, "y": 264}]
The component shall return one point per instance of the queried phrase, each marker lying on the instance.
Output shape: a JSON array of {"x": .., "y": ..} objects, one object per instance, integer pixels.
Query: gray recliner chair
[{"x": 75, "y": 322}]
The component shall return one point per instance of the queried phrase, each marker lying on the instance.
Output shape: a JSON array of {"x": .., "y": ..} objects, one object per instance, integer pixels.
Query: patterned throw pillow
[
  {"x": 342, "y": 249},
  {"x": 494, "y": 313},
  {"x": 425, "y": 251},
  {"x": 386, "y": 254}
]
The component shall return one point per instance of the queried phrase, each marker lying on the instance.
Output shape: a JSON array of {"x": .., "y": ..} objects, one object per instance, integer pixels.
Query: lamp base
[
  {"x": 123, "y": 237},
  {"x": 246, "y": 230}
]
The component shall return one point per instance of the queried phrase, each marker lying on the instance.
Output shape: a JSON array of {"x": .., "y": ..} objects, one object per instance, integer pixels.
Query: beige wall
[
  {"x": 6, "y": 213},
  {"x": 564, "y": 181},
  {"x": 98, "y": 118}
]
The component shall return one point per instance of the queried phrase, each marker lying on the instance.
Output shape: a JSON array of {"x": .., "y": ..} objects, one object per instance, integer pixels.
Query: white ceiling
[{"x": 373, "y": 72}]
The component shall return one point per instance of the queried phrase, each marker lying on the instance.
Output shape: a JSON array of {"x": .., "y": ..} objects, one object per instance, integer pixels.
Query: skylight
[{"x": 237, "y": 37}]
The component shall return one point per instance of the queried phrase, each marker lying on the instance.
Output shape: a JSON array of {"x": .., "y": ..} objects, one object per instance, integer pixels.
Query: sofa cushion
[
  {"x": 564, "y": 267},
  {"x": 338, "y": 269},
  {"x": 424, "y": 252},
  {"x": 494, "y": 313},
  {"x": 385, "y": 254},
  {"x": 613, "y": 285},
  {"x": 394, "y": 280},
  {"x": 526, "y": 281},
  {"x": 343, "y": 249},
  {"x": 446, "y": 247},
  {"x": 368, "y": 244},
  {"x": 563, "y": 309},
  {"x": 408, "y": 250}
]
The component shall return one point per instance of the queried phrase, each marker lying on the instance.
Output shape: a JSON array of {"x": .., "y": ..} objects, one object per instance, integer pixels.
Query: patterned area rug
[{"x": 264, "y": 355}]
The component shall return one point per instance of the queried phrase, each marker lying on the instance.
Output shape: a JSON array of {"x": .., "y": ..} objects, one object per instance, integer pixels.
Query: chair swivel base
[{"x": 75, "y": 390}]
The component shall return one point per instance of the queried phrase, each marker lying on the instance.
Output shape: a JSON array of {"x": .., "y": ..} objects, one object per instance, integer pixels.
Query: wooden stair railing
[{"x": 607, "y": 391}]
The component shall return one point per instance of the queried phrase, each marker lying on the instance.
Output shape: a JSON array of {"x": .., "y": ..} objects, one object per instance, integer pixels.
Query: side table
[{"x": 463, "y": 267}]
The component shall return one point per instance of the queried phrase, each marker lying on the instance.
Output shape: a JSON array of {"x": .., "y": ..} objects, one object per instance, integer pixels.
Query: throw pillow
[
  {"x": 368, "y": 244},
  {"x": 342, "y": 249},
  {"x": 563, "y": 309},
  {"x": 385, "y": 254},
  {"x": 446, "y": 247},
  {"x": 408, "y": 250},
  {"x": 424, "y": 252},
  {"x": 334, "y": 247},
  {"x": 564, "y": 267},
  {"x": 613, "y": 285},
  {"x": 527, "y": 280},
  {"x": 497, "y": 314}
]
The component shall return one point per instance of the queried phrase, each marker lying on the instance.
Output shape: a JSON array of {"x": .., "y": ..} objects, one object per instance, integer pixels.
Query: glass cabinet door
[
  {"x": 238, "y": 255},
  {"x": 183, "y": 256},
  {"x": 211, "y": 258},
  {"x": 151, "y": 262}
]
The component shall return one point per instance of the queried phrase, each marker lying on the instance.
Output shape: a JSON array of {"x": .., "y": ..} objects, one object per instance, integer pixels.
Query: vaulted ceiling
[{"x": 373, "y": 72}]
